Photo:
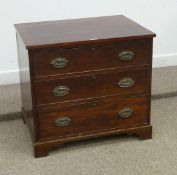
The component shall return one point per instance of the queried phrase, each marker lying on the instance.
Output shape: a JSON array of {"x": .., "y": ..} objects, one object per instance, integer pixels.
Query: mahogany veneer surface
[
  {"x": 84, "y": 59},
  {"x": 80, "y": 31},
  {"x": 84, "y": 78},
  {"x": 95, "y": 116}
]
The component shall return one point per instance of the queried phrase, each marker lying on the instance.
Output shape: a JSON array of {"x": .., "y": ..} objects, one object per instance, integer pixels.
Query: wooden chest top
[{"x": 38, "y": 35}]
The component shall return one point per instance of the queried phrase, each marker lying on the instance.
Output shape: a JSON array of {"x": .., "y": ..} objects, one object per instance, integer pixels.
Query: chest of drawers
[{"x": 84, "y": 78}]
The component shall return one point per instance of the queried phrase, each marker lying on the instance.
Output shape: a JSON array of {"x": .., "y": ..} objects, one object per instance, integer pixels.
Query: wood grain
[
  {"x": 92, "y": 46},
  {"x": 41, "y": 149},
  {"x": 98, "y": 115},
  {"x": 91, "y": 58},
  {"x": 86, "y": 87},
  {"x": 38, "y": 35}
]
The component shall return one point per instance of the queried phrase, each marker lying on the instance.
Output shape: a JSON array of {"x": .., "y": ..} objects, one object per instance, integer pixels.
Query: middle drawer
[{"x": 92, "y": 86}]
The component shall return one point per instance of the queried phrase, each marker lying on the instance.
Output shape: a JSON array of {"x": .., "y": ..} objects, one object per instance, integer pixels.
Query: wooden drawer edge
[
  {"x": 94, "y": 134},
  {"x": 51, "y": 106},
  {"x": 91, "y": 72},
  {"x": 101, "y": 42}
]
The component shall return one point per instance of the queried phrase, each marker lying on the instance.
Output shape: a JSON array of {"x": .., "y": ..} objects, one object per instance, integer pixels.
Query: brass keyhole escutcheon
[{"x": 93, "y": 77}]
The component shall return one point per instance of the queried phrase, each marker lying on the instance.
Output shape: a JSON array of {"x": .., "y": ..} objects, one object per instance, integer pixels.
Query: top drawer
[{"x": 91, "y": 58}]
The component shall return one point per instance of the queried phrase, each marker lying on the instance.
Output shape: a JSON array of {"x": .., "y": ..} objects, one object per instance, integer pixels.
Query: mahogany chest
[{"x": 84, "y": 78}]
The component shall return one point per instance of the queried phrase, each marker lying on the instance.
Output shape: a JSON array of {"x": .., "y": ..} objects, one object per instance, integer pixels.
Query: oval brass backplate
[
  {"x": 60, "y": 91},
  {"x": 59, "y": 62},
  {"x": 62, "y": 121},
  {"x": 126, "y": 55},
  {"x": 126, "y": 82},
  {"x": 125, "y": 113}
]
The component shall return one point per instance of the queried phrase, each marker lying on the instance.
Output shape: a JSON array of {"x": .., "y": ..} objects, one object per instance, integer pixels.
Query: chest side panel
[{"x": 25, "y": 84}]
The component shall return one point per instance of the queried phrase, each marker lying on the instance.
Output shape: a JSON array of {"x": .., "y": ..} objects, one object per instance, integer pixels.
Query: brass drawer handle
[
  {"x": 60, "y": 91},
  {"x": 59, "y": 62},
  {"x": 62, "y": 121},
  {"x": 126, "y": 82},
  {"x": 125, "y": 113},
  {"x": 126, "y": 55}
]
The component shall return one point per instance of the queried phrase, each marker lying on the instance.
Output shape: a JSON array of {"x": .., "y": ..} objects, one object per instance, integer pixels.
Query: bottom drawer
[{"x": 95, "y": 116}]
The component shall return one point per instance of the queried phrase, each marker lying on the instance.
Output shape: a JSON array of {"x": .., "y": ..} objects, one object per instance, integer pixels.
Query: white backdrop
[{"x": 160, "y": 16}]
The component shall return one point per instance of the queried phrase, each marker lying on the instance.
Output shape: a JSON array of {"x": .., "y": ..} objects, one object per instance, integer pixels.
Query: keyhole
[
  {"x": 93, "y": 48},
  {"x": 94, "y": 77}
]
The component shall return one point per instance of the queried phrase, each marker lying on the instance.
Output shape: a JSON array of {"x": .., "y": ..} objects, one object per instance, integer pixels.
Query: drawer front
[
  {"x": 75, "y": 60},
  {"x": 95, "y": 116},
  {"x": 85, "y": 87}
]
